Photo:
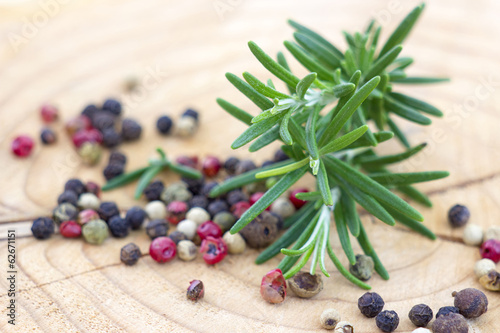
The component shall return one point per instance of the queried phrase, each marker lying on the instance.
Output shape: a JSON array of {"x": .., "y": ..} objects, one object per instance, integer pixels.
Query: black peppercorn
[
  {"x": 75, "y": 185},
  {"x": 387, "y": 321},
  {"x": 458, "y": 216},
  {"x": 118, "y": 226},
  {"x": 47, "y": 136},
  {"x": 420, "y": 315},
  {"x": 207, "y": 187},
  {"x": 236, "y": 196},
  {"x": 245, "y": 166},
  {"x": 117, "y": 157},
  {"x": 90, "y": 111},
  {"x": 267, "y": 163},
  {"x": 131, "y": 130},
  {"x": 113, "y": 106},
  {"x": 130, "y": 254},
  {"x": 135, "y": 217},
  {"x": 370, "y": 304},
  {"x": 217, "y": 206},
  {"x": 191, "y": 113},
  {"x": 445, "y": 310},
  {"x": 164, "y": 124},
  {"x": 111, "y": 138},
  {"x": 195, "y": 290},
  {"x": 153, "y": 191},
  {"x": 193, "y": 185},
  {"x": 107, "y": 210},
  {"x": 451, "y": 323},
  {"x": 103, "y": 120},
  {"x": 471, "y": 302},
  {"x": 68, "y": 196},
  {"x": 112, "y": 170},
  {"x": 177, "y": 236},
  {"x": 42, "y": 228},
  {"x": 198, "y": 201},
  {"x": 157, "y": 228},
  {"x": 65, "y": 212},
  {"x": 261, "y": 231},
  {"x": 280, "y": 155},
  {"x": 231, "y": 164}
]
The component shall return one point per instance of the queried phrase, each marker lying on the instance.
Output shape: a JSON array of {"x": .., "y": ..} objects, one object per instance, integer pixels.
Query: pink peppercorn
[
  {"x": 213, "y": 249},
  {"x": 491, "y": 250},
  {"x": 70, "y": 229},
  {"x": 22, "y": 146},
  {"x": 90, "y": 135},
  {"x": 297, "y": 202},
  {"x": 94, "y": 188},
  {"x": 256, "y": 197},
  {"x": 162, "y": 249},
  {"x": 209, "y": 228},
  {"x": 211, "y": 166},
  {"x": 273, "y": 286},
  {"x": 176, "y": 211},
  {"x": 191, "y": 162},
  {"x": 78, "y": 123},
  {"x": 49, "y": 113},
  {"x": 87, "y": 215},
  {"x": 239, "y": 208}
]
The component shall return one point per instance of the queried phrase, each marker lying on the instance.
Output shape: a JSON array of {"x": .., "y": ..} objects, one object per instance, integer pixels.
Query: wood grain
[{"x": 87, "y": 49}]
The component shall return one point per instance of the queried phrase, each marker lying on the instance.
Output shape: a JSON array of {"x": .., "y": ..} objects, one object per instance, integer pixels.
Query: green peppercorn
[
  {"x": 471, "y": 302},
  {"x": 420, "y": 315},
  {"x": 176, "y": 192},
  {"x": 363, "y": 268},
  {"x": 305, "y": 285},
  {"x": 95, "y": 231},
  {"x": 130, "y": 254},
  {"x": 370, "y": 304},
  {"x": 90, "y": 153},
  {"x": 451, "y": 323},
  {"x": 225, "y": 220},
  {"x": 65, "y": 212}
]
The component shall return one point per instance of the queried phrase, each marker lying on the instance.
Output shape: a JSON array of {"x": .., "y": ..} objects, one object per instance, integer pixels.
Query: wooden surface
[{"x": 84, "y": 52}]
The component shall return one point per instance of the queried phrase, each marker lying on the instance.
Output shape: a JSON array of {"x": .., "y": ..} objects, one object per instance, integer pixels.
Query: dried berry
[
  {"x": 75, "y": 185},
  {"x": 113, "y": 106},
  {"x": 210, "y": 166},
  {"x": 236, "y": 196},
  {"x": 198, "y": 201},
  {"x": 93, "y": 188},
  {"x": 89, "y": 135},
  {"x": 157, "y": 228},
  {"x": 90, "y": 153},
  {"x": 344, "y": 327},
  {"x": 420, "y": 315},
  {"x": 387, "y": 321},
  {"x": 363, "y": 268},
  {"x": 273, "y": 286},
  {"x": 70, "y": 229},
  {"x": 261, "y": 231},
  {"x": 153, "y": 190},
  {"x": 283, "y": 207},
  {"x": 256, "y": 197},
  {"x": 49, "y": 113},
  {"x": 48, "y": 136},
  {"x": 452, "y": 323},
  {"x": 107, "y": 210},
  {"x": 186, "y": 250},
  {"x": 297, "y": 202},
  {"x": 22, "y": 145},
  {"x": 195, "y": 291},
  {"x": 164, "y": 125},
  {"x": 491, "y": 250},
  {"x": 446, "y": 310},
  {"x": 88, "y": 201},
  {"x": 239, "y": 208},
  {"x": 104, "y": 120},
  {"x": 111, "y": 138},
  {"x": 130, "y": 254},
  {"x": 118, "y": 226},
  {"x": 135, "y": 217},
  {"x": 188, "y": 228},
  {"x": 458, "y": 216},
  {"x": 191, "y": 162},
  {"x": 245, "y": 166},
  {"x": 113, "y": 170},
  {"x": 224, "y": 220},
  {"x": 305, "y": 285},
  {"x": 198, "y": 215},
  {"x": 176, "y": 211},
  {"x": 491, "y": 281},
  {"x": 235, "y": 243},
  {"x": 68, "y": 196},
  {"x": 87, "y": 215},
  {"x": 131, "y": 130},
  {"x": 191, "y": 113},
  {"x": 329, "y": 318},
  {"x": 65, "y": 212},
  {"x": 207, "y": 187},
  {"x": 214, "y": 250},
  {"x": 156, "y": 210},
  {"x": 483, "y": 267},
  {"x": 471, "y": 302},
  {"x": 90, "y": 111},
  {"x": 95, "y": 232},
  {"x": 186, "y": 126},
  {"x": 231, "y": 164},
  {"x": 473, "y": 235},
  {"x": 117, "y": 157},
  {"x": 267, "y": 163},
  {"x": 217, "y": 206},
  {"x": 370, "y": 304},
  {"x": 77, "y": 124},
  {"x": 209, "y": 228},
  {"x": 162, "y": 249},
  {"x": 177, "y": 236},
  {"x": 176, "y": 192},
  {"x": 280, "y": 156},
  {"x": 42, "y": 227}
]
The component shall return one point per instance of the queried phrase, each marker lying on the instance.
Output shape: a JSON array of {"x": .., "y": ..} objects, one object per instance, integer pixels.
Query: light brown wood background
[{"x": 86, "y": 49}]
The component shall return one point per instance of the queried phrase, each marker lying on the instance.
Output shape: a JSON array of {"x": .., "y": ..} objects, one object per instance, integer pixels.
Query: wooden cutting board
[{"x": 71, "y": 53}]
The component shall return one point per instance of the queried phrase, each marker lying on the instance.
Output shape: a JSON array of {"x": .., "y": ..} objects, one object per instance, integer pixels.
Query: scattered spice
[
  {"x": 186, "y": 127},
  {"x": 387, "y": 320},
  {"x": 157, "y": 228},
  {"x": 188, "y": 228},
  {"x": 131, "y": 130},
  {"x": 297, "y": 202},
  {"x": 130, "y": 254},
  {"x": 363, "y": 268},
  {"x": 177, "y": 236},
  {"x": 225, "y": 220},
  {"x": 195, "y": 291},
  {"x": 191, "y": 114},
  {"x": 78, "y": 123},
  {"x": 42, "y": 227},
  {"x": 492, "y": 233},
  {"x": 451, "y": 323},
  {"x": 70, "y": 229},
  {"x": 111, "y": 138},
  {"x": 344, "y": 327},
  {"x": 113, "y": 106},
  {"x": 64, "y": 212},
  {"x": 88, "y": 201},
  {"x": 117, "y": 157},
  {"x": 156, "y": 210},
  {"x": 420, "y": 315},
  {"x": 75, "y": 185},
  {"x": 214, "y": 250},
  {"x": 107, "y": 210},
  {"x": 48, "y": 136},
  {"x": 446, "y": 310},
  {"x": 164, "y": 125},
  {"x": 491, "y": 281},
  {"x": 176, "y": 211},
  {"x": 186, "y": 250},
  {"x": 90, "y": 153},
  {"x": 262, "y": 231},
  {"x": 239, "y": 208},
  {"x": 471, "y": 302},
  {"x": 305, "y": 285},
  {"x": 176, "y": 192},
  {"x": 211, "y": 166},
  {"x": 217, "y": 206},
  {"x": 370, "y": 304},
  {"x": 245, "y": 166},
  {"x": 113, "y": 170},
  {"x": 162, "y": 249},
  {"x": 283, "y": 207},
  {"x": 93, "y": 188},
  {"x": 231, "y": 164},
  {"x": 95, "y": 231},
  {"x": 273, "y": 286},
  {"x": 209, "y": 228},
  {"x": 235, "y": 243},
  {"x": 135, "y": 217},
  {"x": 473, "y": 235},
  {"x": 458, "y": 216},
  {"x": 483, "y": 267},
  {"x": 198, "y": 215},
  {"x": 87, "y": 215},
  {"x": 22, "y": 146},
  {"x": 68, "y": 196},
  {"x": 118, "y": 226},
  {"x": 49, "y": 113},
  {"x": 421, "y": 330},
  {"x": 491, "y": 250},
  {"x": 154, "y": 190},
  {"x": 236, "y": 196},
  {"x": 329, "y": 319}
]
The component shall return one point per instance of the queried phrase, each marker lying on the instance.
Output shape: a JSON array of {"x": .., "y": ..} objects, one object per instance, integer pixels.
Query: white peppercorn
[
  {"x": 185, "y": 126},
  {"x": 492, "y": 233},
  {"x": 473, "y": 235},
  {"x": 421, "y": 330},
  {"x": 283, "y": 207},
  {"x": 483, "y": 266},
  {"x": 188, "y": 228},
  {"x": 156, "y": 210},
  {"x": 88, "y": 201},
  {"x": 186, "y": 250},
  {"x": 235, "y": 243},
  {"x": 344, "y": 327},
  {"x": 329, "y": 319},
  {"x": 198, "y": 215}
]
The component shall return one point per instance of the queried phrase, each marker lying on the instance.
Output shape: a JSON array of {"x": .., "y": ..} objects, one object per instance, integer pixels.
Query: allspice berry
[
  {"x": 329, "y": 319},
  {"x": 471, "y": 302},
  {"x": 370, "y": 304},
  {"x": 305, "y": 285},
  {"x": 451, "y": 323},
  {"x": 420, "y": 315},
  {"x": 446, "y": 310},
  {"x": 261, "y": 231},
  {"x": 363, "y": 268}
]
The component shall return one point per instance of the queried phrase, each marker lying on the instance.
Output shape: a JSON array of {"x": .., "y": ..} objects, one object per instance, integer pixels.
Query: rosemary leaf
[
  {"x": 257, "y": 98},
  {"x": 343, "y": 89},
  {"x": 124, "y": 179},
  {"x": 308, "y": 62},
  {"x": 262, "y": 88},
  {"x": 282, "y": 170},
  {"x": 383, "y": 62},
  {"x": 343, "y": 141},
  {"x": 323, "y": 185},
  {"x": 375, "y": 160},
  {"x": 236, "y": 112},
  {"x": 304, "y": 84},
  {"x": 343, "y": 234},
  {"x": 406, "y": 112},
  {"x": 398, "y": 179},
  {"x": 311, "y": 143},
  {"x": 367, "y": 247},
  {"x": 398, "y": 133},
  {"x": 298, "y": 133},
  {"x": 401, "y": 63},
  {"x": 282, "y": 61},
  {"x": 412, "y": 224},
  {"x": 421, "y": 80},
  {"x": 417, "y": 104},
  {"x": 303, "y": 211},
  {"x": 145, "y": 179},
  {"x": 255, "y": 130},
  {"x": 185, "y": 171},
  {"x": 302, "y": 262},
  {"x": 351, "y": 216},
  {"x": 415, "y": 194},
  {"x": 381, "y": 136},
  {"x": 318, "y": 38},
  {"x": 284, "y": 132},
  {"x": 320, "y": 52},
  {"x": 308, "y": 196}
]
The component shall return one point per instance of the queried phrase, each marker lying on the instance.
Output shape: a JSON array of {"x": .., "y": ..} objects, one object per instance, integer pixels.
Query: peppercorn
[
  {"x": 280, "y": 156},
  {"x": 231, "y": 164},
  {"x": 207, "y": 187},
  {"x": 111, "y": 138},
  {"x": 75, "y": 185},
  {"x": 492, "y": 233},
  {"x": 176, "y": 211},
  {"x": 279, "y": 222},
  {"x": 245, "y": 166},
  {"x": 210, "y": 166},
  {"x": 164, "y": 125},
  {"x": 64, "y": 212},
  {"x": 198, "y": 201},
  {"x": 195, "y": 291},
  {"x": 191, "y": 113},
  {"x": 235, "y": 243},
  {"x": 87, "y": 215},
  {"x": 297, "y": 202},
  {"x": 104, "y": 120},
  {"x": 117, "y": 157},
  {"x": 224, "y": 220},
  {"x": 88, "y": 201},
  {"x": 208, "y": 228},
  {"x": 420, "y": 315},
  {"x": 370, "y": 304},
  {"x": 329, "y": 318},
  {"x": 186, "y": 126},
  {"x": 283, "y": 207},
  {"x": 177, "y": 236},
  {"x": 162, "y": 249},
  {"x": 130, "y": 254},
  {"x": 363, "y": 268},
  {"x": 95, "y": 232},
  {"x": 255, "y": 187},
  {"x": 186, "y": 250},
  {"x": 113, "y": 106},
  {"x": 491, "y": 250},
  {"x": 421, "y": 330},
  {"x": 77, "y": 124},
  {"x": 91, "y": 135},
  {"x": 68, "y": 196},
  {"x": 90, "y": 111},
  {"x": 306, "y": 285},
  {"x": 107, "y": 210},
  {"x": 131, "y": 130},
  {"x": 90, "y": 153},
  {"x": 191, "y": 162},
  {"x": 118, "y": 226},
  {"x": 48, "y": 136},
  {"x": 273, "y": 286},
  {"x": 153, "y": 190},
  {"x": 157, "y": 228},
  {"x": 344, "y": 327},
  {"x": 198, "y": 215},
  {"x": 256, "y": 197},
  {"x": 93, "y": 188},
  {"x": 261, "y": 231},
  {"x": 267, "y": 163},
  {"x": 49, "y": 113},
  {"x": 473, "y": 235},
  {"x": 113, "y": 170},
  {"x": 446, "y": 310},
  {"x": 236, "y": 196},
  {"x": 239, "y": 208},
  {"x": 22, "y": 146},
  {"x": 175, "y": 192},
  {"x": 214, "y": 250},
  {"x": 135, "y": 217},
  {"x": 458, "y": 216},
  {"x": 156, "y": 210},
  {"x": 70, "y": 229},
  {"x": 452, "y": 323},
  {"x": 387, "y": 321},
  {"x": 483, "y": 267},
  {"x": 42, "y": 227},
  {"x": 217, "y": 206},
  {"x": 491, "y": 281},
  {"x": 471, "y": 302}
]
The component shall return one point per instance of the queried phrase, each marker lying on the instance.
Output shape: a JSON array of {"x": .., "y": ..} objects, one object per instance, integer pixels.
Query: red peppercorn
[
  {"x": 90, "y": 135},
  {"x": 162, "y": 249},
  {"x": 213, "y": 249},
  {"x": 94, "y": 188},
  {"x": 273, "y": 286},
  {"x": 209, "y": 228},
  {"x": 176, "y": 211},
  {"x": 191, "y": 162},
  {"x": 239, "y": 208},
  {"x": 211, "y": 166},
  {"x": 49, "y": 113},
  {"x": 22, "y": 145},
  {"x": 297, "y": 202},
  {"x": 70, "y": 229},
  {"x": 255, "y": 197},
  {"x": 491, "y": 250},
  {"x": 78, "y": 123},
  {"x": 87, "y": 215}
]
